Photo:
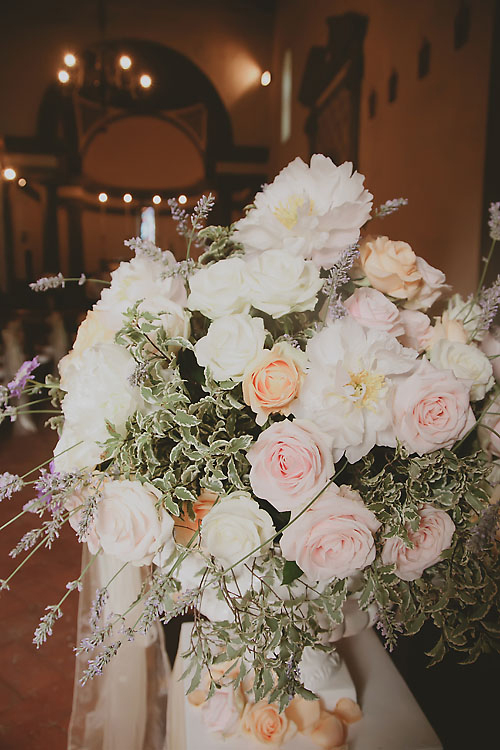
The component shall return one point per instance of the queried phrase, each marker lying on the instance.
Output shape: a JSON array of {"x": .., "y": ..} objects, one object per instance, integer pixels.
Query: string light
[
  {"x": 21, "y": 182},
  {"x": 103, "y": 197},
  {"x": 69, "y": 59},
  {"x": 182, "y": 199},
  {"x": 63, "y": 76},
  {"x": 145, "y": 80},
  {"x": 127, "y": 198},
  {"x": 156, "y": 199},
  {"x": 125, "y": 62},
  {"x": 9, "y": 173},
  {"x": 265, "y": 78}
]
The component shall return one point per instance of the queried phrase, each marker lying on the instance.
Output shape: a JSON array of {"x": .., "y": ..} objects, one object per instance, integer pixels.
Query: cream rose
[
  {"x": 467, "y": 362},
  {"x": 433, "y": 284},
  {"x": 371, "y": 309},
  {"x": 273, "y": 381},
  {"x": 173, "y": 317},
  {"x": 489, "y": 429},
  {"x": 417, "y": 330},
  {"x": 235, "y": 527},
  {"x": 449, "y": 329},
  {"x": 263, "y": 722},
  {"x": 334, "y": 537},
  {"x": 129, "y": 525},
  {"x": 433, "y": 536},
  {"x": 391, "y": 267},
  {"x": 231, "y": 345},
  {"x": 291, "y": 462},
  {"x": 431, "y": 410},
  {"x": 220, "y": 289},
  {"x": 281, "y": 283}
]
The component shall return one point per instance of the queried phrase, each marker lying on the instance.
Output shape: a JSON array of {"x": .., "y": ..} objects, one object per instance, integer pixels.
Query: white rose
[
  {"x": 235, "y": 527},
  {"x": 95, "y": 329},
  {"x": 467, "y": 312},
  {"x": 98, "y": 390},
  {"x": 467, "y": 363},
  {"x": 433, "y": 284},
  {"x": 129, "y": 525},
  {"x": 417, "y": 329},
  {"x": 220, "y": 289},
  {"x": 281, "y": 283},
  {"x": 173, "y": 317},
  {"x": 141, "y": 278},
  {"x": 317, "y": 669},
  {"x": 231, "y": 345},
  {"x": 372, "y": 309}
]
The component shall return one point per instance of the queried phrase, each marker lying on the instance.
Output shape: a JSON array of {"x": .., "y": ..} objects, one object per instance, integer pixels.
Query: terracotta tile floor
[{"x": 35, "y": 686}]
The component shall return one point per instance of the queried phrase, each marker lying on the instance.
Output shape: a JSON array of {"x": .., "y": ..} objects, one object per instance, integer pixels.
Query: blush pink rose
[
  {"x": 433, "y": 284},
  {"x": 221, "y": 712},
  {"x": 418, "y": 330},
  {"x": 372, "y": 309},
  {"x": 274, "y": 381},
  {"x": 334, "y": 538},
  {"x": 432, "y": 537},
  {"x": 291, "y": 462},
  {"x": 431, "y": 409}
]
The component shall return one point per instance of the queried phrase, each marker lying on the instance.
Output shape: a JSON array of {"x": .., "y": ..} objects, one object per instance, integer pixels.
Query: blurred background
[{"x": 110, "y": 107}]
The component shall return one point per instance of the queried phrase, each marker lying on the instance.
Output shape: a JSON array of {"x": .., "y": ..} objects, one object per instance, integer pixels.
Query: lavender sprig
[
  {"x": 45, "y": 627},
  {"x": 389, "y": 207},
  {"x": 180, "y": 216},
  {"x": 144, "y": 248},
  {"x": 337, "y": 278},
  {"x": 48, "y": 282},
  {"x": 9, "y": 483},
  {"x": 18, "y": 383},
  {"x": 494, "y": 221},
  {"x": 96, "y": 666},
  {"x": 88, "y": 513},
  {"x": 488, "y": 301},
  {"x": 485, "y": 530}
]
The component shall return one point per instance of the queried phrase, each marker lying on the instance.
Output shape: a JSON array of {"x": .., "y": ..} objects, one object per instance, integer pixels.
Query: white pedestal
[{"x": 392, "y": 719}]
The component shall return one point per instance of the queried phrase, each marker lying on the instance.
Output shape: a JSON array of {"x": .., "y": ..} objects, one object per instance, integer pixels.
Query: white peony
[
  {"x": 235, "y": 527},
  {"x": 220, "y": 289},
  {"x": 281, "y": 284},
  {"x": 129, "y": 525},
  {"x": 467, "y": 362},
  {"x": 348, "y": 386},
  {"x": 312, "y": 211},
  {"x": 231, "y": 345},
  {"x": 98, "y": 389},
  {"x": 142, "y": 278}
]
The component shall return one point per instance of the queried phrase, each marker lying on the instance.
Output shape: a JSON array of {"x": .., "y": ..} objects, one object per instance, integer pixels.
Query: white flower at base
[
  {"x": 317, "y": 669},
  {"x": 313, "y": 211},
  {"x": 231, "y": 345},
  {"x": 220, "y": 289},
  {"x": 280, "y": 283},
  {"x": 467, "y": 363},
  {"x": 348, "y": 386},
  {"x": 235, "y": 527},
  {"x": 128, "y": 524}
]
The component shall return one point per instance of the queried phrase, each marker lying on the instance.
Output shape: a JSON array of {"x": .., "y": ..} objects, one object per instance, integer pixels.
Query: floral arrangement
[{"x": 277, "y": 429}]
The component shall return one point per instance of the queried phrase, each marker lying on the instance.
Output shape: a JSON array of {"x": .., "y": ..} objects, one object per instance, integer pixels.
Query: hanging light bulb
[
  {"x": 21, "y": 182},
  {"x": 156, "y": 199},
  {"x": 265, "y": 78},
  {"x": 127, "y": 198},
  {"x": 125, "y": 62},
  {"x": 145, "y": 80},
  {"x": 103, "y": 197},
  {"x": 9, "y": 173},
  {"x": 63, "y": 76},
  {"x": 182, "y": 199},
  {"x": 69, "y": 59}
]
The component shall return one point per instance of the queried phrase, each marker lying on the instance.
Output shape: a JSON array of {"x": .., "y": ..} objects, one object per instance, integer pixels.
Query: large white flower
[
  {"x": 313, "y": 211},
  {"x": 221, "y": 289},
  {"x": 98, "y": 390},
  {"x": 231, "y": 345},
  {"x": 280, "y": 283},
  {"x": 348, "y": 386},
  {"x": 141, "y": 278},
  {"x": 467, "y": 363}
]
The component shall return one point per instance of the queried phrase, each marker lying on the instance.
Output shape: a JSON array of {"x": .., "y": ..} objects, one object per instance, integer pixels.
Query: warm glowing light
[
  {"x": 127, "y": 198},
  {"x": 145, "y": 81},
  {"x": 156, "y": 199},
  {"x": 63, "y": 76},
  {"x": 9, "y": 173},
  {"x": 103, "y": 197},
  {"x": 265, "y": 78},
  {"x": 21, "y": 182},
  {"x": 69, "y": 59},
  {"x": 125, "y": 62},
  {"x": 183, "y": 199}
]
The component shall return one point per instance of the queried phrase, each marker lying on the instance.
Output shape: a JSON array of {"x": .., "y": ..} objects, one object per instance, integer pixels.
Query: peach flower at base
[
  {"x": 263, "y": 722},
  {"x": 184, "y": 526},
  {"x": 433, "y": 536},
  {"x": 390, "y": 266},
  {"x": 274, "y": 381}
]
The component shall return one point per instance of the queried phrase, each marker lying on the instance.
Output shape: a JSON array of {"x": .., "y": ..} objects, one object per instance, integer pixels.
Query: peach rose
[
  {"x": 372, "y": 309},
  {"x": 391, "y": 267},
  {"x": 263, "y": 722},
  {"x": 274, "y": 381},
  {"x": 291, "y": 462},
  {"x": 184, "y": 526},
  {"x": 334, "y": 537},
  {"x": 433, "y": 284},
  {"x": 431, "y": 409},
  {"x": 417, "y": 330},
  {"x": 434, "y": 535}
]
